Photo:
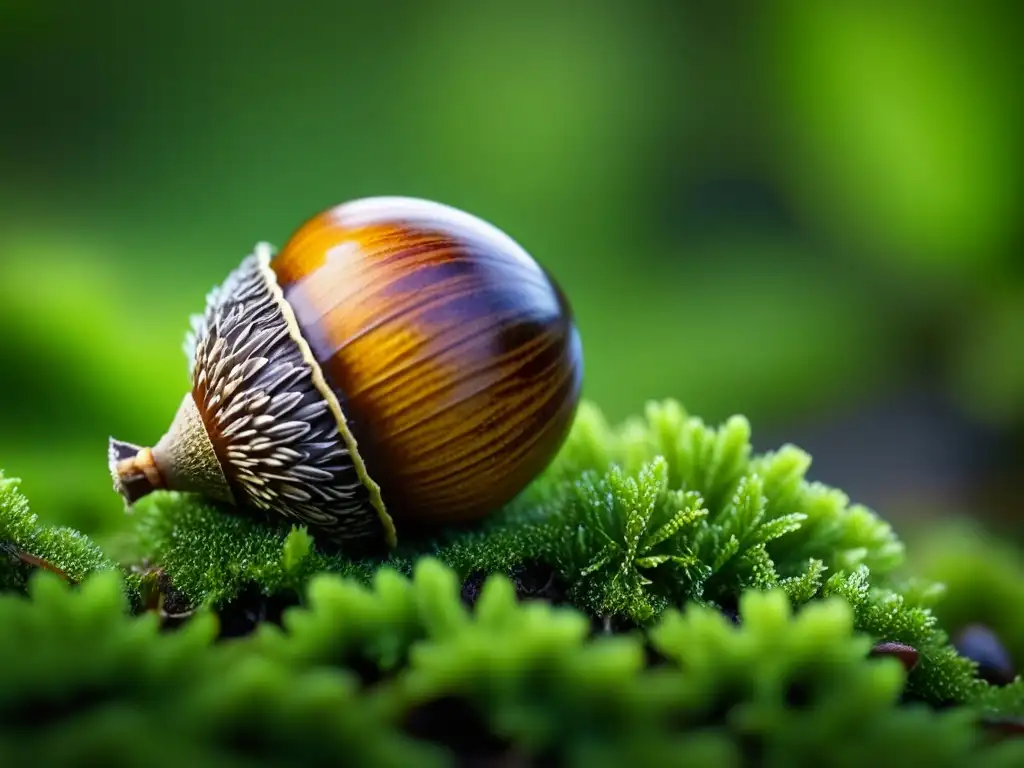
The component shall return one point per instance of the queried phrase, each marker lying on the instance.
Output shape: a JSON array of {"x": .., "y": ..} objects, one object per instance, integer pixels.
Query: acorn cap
[{"x": 261, "y": 427}]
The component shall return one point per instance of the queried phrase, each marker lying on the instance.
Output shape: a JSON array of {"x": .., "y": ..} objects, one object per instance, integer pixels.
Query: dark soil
[
  {"x": 533, "y": 580},
  {"x": 455, "y": 723},
  {"x": 251, "y": 608}
]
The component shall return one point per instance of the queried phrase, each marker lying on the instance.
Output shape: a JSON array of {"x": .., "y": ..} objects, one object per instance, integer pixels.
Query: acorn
[{"x": 398, "y": 364}]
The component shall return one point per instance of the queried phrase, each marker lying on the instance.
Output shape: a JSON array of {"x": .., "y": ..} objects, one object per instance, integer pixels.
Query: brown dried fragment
[
  {"x": 907, "y": 655},
  {"x": 1004, "y": 727}
]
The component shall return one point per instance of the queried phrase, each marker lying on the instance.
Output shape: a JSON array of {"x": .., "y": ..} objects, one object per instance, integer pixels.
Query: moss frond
[
  {"x": 257, "y": 712},
  {"x": 688, "y": 512},
  {"x": 942, "y": 676},
  {"x": 365, "y": 627},
  {"x": 73, "y": 662},
  {"x": 983, "y": 595}
]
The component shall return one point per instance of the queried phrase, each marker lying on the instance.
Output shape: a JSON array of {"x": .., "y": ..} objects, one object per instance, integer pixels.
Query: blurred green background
[{"x": 809, "y": 213}]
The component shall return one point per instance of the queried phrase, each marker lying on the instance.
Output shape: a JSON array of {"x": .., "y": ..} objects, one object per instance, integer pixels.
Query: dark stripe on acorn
[{"x": 395, "y": 349}]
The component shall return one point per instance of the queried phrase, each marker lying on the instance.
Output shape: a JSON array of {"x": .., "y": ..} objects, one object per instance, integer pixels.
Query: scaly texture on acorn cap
[{"x": 261, "y": 428}]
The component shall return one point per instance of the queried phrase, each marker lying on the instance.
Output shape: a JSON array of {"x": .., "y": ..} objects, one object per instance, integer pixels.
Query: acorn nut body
[{"x": 398, "y": 364}]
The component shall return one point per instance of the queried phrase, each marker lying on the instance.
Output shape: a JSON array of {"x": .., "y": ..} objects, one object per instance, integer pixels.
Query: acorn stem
[
  {"x": 184, "y": 459},
  {"x": 134, "y": 471}
]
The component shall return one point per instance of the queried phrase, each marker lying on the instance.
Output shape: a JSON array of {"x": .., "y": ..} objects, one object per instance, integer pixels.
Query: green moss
[
  {"x": 22, "y": 533},
  {"x": 661, "y": 593},
  {"x": 659, "y": 512},
  {"x": 796, "y": 690},
  {"x": 82, "y": 682},
  {"x": 212, "y": 555},
  {"x": 656, "y": 512},
  {"x": 942, "y": 676},
  {"x": 401, "y": 672}
]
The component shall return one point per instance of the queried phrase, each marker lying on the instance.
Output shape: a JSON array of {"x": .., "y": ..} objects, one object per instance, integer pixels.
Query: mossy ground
[{"x": 661, "y": 594}]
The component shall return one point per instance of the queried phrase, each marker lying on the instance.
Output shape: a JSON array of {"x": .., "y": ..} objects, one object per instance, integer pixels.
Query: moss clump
[
  {"x": 402, "y": 672},
  {"x": 212, "y": 555},
  {"x": 661, "y": 593},
  {"x": 659, "y": 512},
  {"x": 27, "y": 544},
  {"x": 82, "y": 682}
]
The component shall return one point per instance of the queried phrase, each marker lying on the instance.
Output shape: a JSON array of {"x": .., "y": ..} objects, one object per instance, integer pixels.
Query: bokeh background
[{"x": 808, "y": 213}]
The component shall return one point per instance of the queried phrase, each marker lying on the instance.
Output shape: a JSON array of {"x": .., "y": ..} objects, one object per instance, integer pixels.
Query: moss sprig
[{"x": 694, "y": 503}]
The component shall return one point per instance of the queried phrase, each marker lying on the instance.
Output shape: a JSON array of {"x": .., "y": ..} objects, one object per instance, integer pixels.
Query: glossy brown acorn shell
[{"x": 454, "y": 354}]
